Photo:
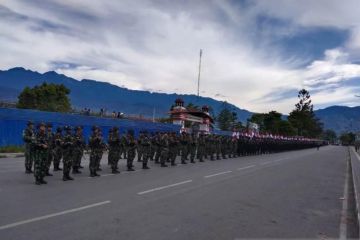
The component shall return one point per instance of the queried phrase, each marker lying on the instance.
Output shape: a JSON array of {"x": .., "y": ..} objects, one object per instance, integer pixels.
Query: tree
[
  {"x": 303, "y": 118},
  {"x": 271, "y": 122},
  {"x": 330, "y": 135},
  {"x": 192, "y": 106},
  {"x": 226, "y": 118},
  {"x": 347, "y": 138},
  {"x": 46, "y": 97}
]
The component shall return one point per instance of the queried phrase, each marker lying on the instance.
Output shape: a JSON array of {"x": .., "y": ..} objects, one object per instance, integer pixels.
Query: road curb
[
  {"x": 355, "y": 185},
  {"x": 12, "y": 155}
]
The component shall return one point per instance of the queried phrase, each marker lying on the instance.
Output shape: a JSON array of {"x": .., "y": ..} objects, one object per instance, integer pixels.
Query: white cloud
[{"x": 154, "y": 45}]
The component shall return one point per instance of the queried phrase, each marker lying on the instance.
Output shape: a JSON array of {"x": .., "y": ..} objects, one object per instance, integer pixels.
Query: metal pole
[{"x": 198, "y": 89}]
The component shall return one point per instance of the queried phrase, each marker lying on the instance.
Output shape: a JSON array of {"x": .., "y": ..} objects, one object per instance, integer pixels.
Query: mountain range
[{"x": 95, "y": 95}]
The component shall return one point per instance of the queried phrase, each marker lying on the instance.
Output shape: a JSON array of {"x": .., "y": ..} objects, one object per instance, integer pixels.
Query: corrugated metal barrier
[{"x": 13, "y": 122}]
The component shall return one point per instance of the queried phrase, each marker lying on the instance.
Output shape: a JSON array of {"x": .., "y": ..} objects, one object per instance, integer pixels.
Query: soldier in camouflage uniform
[
  {"x": 41, "y": 154},
  {"x": 68, "y": 151},
  {"x": 201, "y": 147},
  {"x": 192, "y": 147},
  {"x": 217, "y": 144},
  {"x": 79, "y": 146},
  {"x": 57, "y": 149},
  {"x": 123, "y": 149},
  {"x": 157, "y": 145},
  {"x": 184, "y": 141},
  {"x": 139, "y": 148},
  {"x": 101, "y": 151},
  {"x": 146, "y": 150},
  {"x": 96, "y": 147},
  {"x": 51, "y": 146},
  {"x": 173, "y": 148},
  {"x": 29, "y": 139},
  {"x": 114, "y": 142},
  {"x": 131, "y": 147},
  {"x": 164, "y": 143},
  {"x": 153, "y": 146}
]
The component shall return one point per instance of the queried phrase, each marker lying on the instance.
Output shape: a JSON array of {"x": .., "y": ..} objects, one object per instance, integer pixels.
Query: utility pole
[{"x": 198, "y": 87}]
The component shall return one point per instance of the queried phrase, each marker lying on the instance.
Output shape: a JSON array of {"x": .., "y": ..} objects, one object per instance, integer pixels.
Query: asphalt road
[{"x": 294, "y": 194}]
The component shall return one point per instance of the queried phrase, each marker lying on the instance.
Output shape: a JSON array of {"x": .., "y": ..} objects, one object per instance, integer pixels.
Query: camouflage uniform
[
  {"x": 114, "y": 149},
  {"x": 57, "y": 149},
  {"x": 164, "y": 150},
  {"x": 201, "y": 147},
  {"x": 68, "y": 151},
  {"x": 139, "y": 148},
  {"x": 192, "y": 147},
  {"x": 131, "y": 147},
  {"x": 29, "y": 139},
  {"x": 157, "y": 146},
  {"x": 51, "y": 146},
  {"x": 184, "y": 147},
  {"x": 146, "y": 150},
  {"x": 41, "y": 154},
  {"x": 79, "y": 146},
  {"x": 173, "y": 148},
  {"x": 96, "y": 147}
]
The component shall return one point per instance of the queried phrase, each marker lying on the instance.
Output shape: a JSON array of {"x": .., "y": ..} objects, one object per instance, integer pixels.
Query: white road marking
[
  {"x": 265, "y": 163},
  {"x": 246, "y": 167},
  {"x": 106, "y": 175},
  {"x": 164, "y": 187},
  {"x": 217, "y": 174},
  {"x": 343, "y": 219},
  {"x": 11, "y": 225}
]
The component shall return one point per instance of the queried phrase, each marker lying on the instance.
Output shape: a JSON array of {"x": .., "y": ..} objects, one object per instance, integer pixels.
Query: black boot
[
  {"x": 96, "y": 174},
  {"x": 48, "y": 174},
  {"x": 115, "y": 171},
  {"x": 92, "y": 174},
  {"x": 130, "y": 169},
  {"x": 69, "y": 178},
  {"x": 37, "y": 181},
  {"x": 65, "y": 178},
  {"x": 163, "y": 165},
  {"x": 42, "y": 181},
  {"x": 145, "y": 166}
]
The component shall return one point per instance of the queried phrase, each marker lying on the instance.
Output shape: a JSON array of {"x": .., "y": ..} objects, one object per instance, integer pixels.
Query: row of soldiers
[{"x": 44, "y": 147}]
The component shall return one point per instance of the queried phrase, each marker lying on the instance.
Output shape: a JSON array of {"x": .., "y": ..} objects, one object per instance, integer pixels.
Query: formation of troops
[{"x": 44, "y": 147}]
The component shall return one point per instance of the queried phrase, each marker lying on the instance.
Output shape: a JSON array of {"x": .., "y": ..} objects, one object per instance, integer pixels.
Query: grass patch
[{"x": 12, "y": 149}]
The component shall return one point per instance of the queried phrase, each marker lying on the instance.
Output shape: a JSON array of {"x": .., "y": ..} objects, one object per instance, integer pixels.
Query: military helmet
[
  {"x": 67, "y": 128},
  {"x": 30, "y": 123},
  {"x": 41, "y": 125},
  {"x": 58, "y": 129},
  {"x": 93, "y": 128},
  {"x": 49, "y": 125}
]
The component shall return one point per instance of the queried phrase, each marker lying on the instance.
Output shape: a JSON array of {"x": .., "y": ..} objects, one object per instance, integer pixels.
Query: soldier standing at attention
[
  {"x": 139, "y": 149},
  {"x": 131, "y": 147},
  {"x": 114, "y": 149},
  {"x": 184, "y": 147},
  {"x": 51, "y": 146},
  {"x": 164, "y": 149},
  {"x": 146, "y": 150},
  {"x": 29, "y": 139},
  {"x": 41, "y": 154},
  {"x": 172, "y": 148},
  {"x": 192, "y": 147},
  {"x": 57, "y": 149},
  {"x": 68, "y": 151},
  {"x": 79, "y": 146},
  {"x": 96, "y": 148},
  {"x": 109, "y": 157},
  {"x": 201, "y": 147},
  {"x": 100, "y": 150}
]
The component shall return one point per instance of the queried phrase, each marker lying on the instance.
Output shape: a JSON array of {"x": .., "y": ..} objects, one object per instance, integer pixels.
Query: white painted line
[
  {"x": 344, "y": 210},
  {"x": 265, "y": 163},
  {"x": 163, "y": 187},
  {"x": 239, "y": 169},
  {"x": 106, "y": 175},
  {"x": 11, "y": 225},
  {"x": 217, "y": 174}
]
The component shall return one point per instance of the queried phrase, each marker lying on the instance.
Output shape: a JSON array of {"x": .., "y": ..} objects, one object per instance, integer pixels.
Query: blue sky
[{"x": 257, "y": 54}]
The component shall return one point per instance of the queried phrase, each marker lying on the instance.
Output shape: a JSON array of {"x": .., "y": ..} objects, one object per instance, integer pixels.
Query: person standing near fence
[
  {"x": 29, "y": 139},
  {"x": 131, "y": 150},
  {"x": 79, "y": 146},
  {"x": 41, "y": 154},
  {"x": 57, "y": 149},
  {"x": 50, "y": 157},
  {"x": 68, "y": 151}
]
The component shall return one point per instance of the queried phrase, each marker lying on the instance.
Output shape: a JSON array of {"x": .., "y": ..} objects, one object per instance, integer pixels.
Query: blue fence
[{"x": 13, "y": 122}]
